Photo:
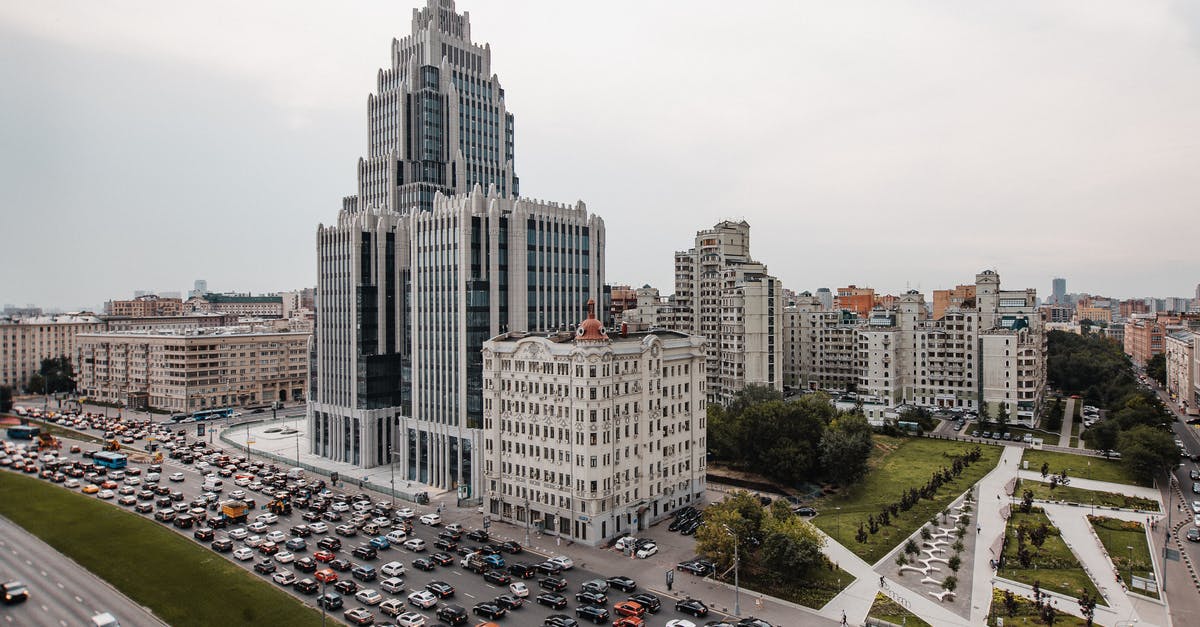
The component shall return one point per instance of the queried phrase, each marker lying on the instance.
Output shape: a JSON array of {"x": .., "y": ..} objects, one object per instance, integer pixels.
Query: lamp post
[
  {"x": 526, "y": 522},
  {"x": 1130, "y": 565},
  {"x": 737, "y": 591},
  {"x": 321, "y": 602},
  {"x": 838, "y": 525}
]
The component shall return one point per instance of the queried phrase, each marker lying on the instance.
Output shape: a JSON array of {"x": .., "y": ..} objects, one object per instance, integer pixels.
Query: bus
[
  {"x": 108, "y": 459},
  {"x": 24, "y": 432},
  {"x": 212, "y": 414}
]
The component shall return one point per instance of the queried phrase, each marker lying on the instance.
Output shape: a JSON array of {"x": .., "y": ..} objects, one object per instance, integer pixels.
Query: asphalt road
[{"x": 61, "y": 592}]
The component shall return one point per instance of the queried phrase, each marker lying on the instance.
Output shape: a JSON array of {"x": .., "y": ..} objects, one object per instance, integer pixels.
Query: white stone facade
[
  {"x": 589, "y": 440},
  {"x": 1180, "y": 352},
  {"x": 25, "y": 342}
]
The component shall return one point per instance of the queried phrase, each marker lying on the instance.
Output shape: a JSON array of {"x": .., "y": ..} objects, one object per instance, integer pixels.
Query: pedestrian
[
  {"x": 843, "y": 617},
  {"x": 978, "y": 529},
  {"x": 881, "y": 581}
]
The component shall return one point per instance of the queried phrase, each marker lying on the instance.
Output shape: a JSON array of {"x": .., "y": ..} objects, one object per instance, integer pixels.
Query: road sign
[
  {"x": 487, "y": 522},
  {"x": 1172, "y": 554},
  {"x": 200, "y": 430}
]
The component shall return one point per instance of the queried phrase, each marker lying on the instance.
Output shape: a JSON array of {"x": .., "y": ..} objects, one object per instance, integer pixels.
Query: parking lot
[{"x": 358, "y": 564}]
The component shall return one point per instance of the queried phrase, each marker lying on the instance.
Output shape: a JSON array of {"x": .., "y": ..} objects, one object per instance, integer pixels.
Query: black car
[
  {"x": 489, "y": 610},
  {"x": 423, "y": 564},
  {"x": 443, "y": 544},
  {"x": 511, "y": 547},
  {"x": 216, "y": 522},
  {"x": 1193, "y": 534},
  {"x": 524, "y": 571},
  {"x": 692, "y": 606},
  {"x": 347, "y": 586},
  {"x": 448, "y": 534},
  {"x": 305, "y": 564},
  {"x": 14, "y": 592},
  {"x": 340, "y": 565},
  {"x": 804, "y": 510},
  {"x": 266, "y": 566},
  {"x": 693, "y": 567},
  {"x": 595, "y": 585},
  {"x": 560, "y": 620},
  {"x": 594, "y": 613},
  {"x": 364, "y": 573},
  {"x": 549, "y": 568},
  {"x": 624, "y": 584},
  {"x": 497, "y": 577},
  {"x": 300, "y": 531},
  {"x": 306, "y": 586},
  {"x": 453, "y": 614},
  {"x": 588, "y": 597},
  {"x": 440, "y": 588},
  {"x": 202, "y": 533},
  {"x": 330, "y": 543},
  {"x": 330, "y": 600},
  {"x": 222, "y": 545},
  {"x": 365, "y": 552},
  {"x": 478, "y": 535},
  {"x": 442, "y": 559},
  {"x": 753, "y": 622},
  {"x": 649, "y": 601},
  {"x": 509, "y": 601},
  {"x": 549, "y": 599},
  {"x": 311, "y": 516},
  {"x": 554, "y": 584}
]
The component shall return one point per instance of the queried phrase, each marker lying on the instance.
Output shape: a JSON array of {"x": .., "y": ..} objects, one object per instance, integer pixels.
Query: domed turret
[{"x": 591, "y": 330}]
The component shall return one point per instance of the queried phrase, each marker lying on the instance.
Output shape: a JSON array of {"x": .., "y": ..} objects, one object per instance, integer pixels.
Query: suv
[
  {"x": 594, "y": 613},
  {"x": 453, "y": 614},
  {"x": 363, "y": 572}
]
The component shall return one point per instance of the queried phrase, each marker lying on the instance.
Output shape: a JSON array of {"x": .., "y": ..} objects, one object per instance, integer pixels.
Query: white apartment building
[
  {"x": 25, "y": 342},
  {"x": 729, "y": 299},
  {"x": 588, "y": 436},
  {"x": 820, "y": 345},
  {"x": 1180, "y": 352}
]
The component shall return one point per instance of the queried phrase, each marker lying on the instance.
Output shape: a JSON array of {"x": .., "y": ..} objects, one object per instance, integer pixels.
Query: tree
[
  {"x": 6, "y": 402},
  {"x": 950, "y": 583},
  {"x": 1156, "y": 368},
  {"x": 1148, "y": 452},
  {"x": 1002, "y": 417},
  {"x": 1087, "y": 607},
  {"x": 910, "y": 547},
  {"x": 902, "y": 560},
  {"x": 791, "y": 546},
  {"x": 742, "y": 514},
  {"x": 955, "y": 562},
  {"x": 1054, "y": 416},
  {"x": 845, "y": 448},
  {"x": 1103, "y": 436},
  {"x": 56, "y": 375},
  {"x": 985, "y": 417}
]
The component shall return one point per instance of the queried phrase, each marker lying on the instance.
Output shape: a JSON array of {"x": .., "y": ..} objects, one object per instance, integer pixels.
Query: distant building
[
  {"x": 859, "y": 300},
  {"x": 193, "y": 369},
  {"x": 1180, "y": 350},
  {"x": 1056, "y": 314},
  {"x": 825, "y": 297},
  {"x": 622, "y": 297},
  {"x": 25, "y": 342},
  {"x": 1131, "y": 307},
  {"x": 146, "y": 305},
  {"x": 1094, "y": 313},
  {"x": 1144, "y": 335},
  {"x": 169, "y": 323},
  {"x": 268, "y": 306},
  {"x": 589, "y": 436},
  {"x": 29, "y": 311},
  {"x": 199, "y": 288},
  {"x": 960, "y": 296},
  {"x": 820, "y": 346},
  {"x": 1058, "y": 292}
]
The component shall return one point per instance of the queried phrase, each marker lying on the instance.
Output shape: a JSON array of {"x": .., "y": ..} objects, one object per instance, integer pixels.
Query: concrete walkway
[
  {"x": 1098, "y": 486},
  {"x": 990, "y": 513},
  {"x": 1064, "y": 435}
]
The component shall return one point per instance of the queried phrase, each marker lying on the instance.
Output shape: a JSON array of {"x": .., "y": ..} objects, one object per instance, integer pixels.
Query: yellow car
[{"x": 91, "y": 489}]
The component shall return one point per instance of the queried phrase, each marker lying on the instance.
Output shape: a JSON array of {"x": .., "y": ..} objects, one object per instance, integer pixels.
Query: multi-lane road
[{"x": 61, "y": 593}]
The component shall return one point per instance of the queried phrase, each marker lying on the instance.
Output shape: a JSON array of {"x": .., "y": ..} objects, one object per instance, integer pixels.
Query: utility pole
[
  {"x": 737, "y": 590},
  {"x": 526, "y": 522}
]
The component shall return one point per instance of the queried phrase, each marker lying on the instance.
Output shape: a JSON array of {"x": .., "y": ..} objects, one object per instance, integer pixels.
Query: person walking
[{"x": 844, "y": 617}]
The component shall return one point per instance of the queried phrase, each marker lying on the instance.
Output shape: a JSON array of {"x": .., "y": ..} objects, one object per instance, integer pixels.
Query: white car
[
  {"x": 71, "y": 483},
  {"x": 318, "y": 527},
  {"x": 1196, "y": 520},
  {"x": 237, "y": 494},
  {"x": 241, "y": 482},
  {"x": 278, "y": 537},
  {"x": 415, "y": 544},
  {"x": 381, "y": 522},
  {"x": 647, "y": 551},
  {"x": 397, "y": 536},
  {"x": 284, "y": 578},
  {"x": 244, "y": 554},
  {"x": 133, "y": 481},
  {"x": 392, "y": 569},
  {"x": 405, "y": 512},
  {"x": 422, "y": 599},
  {"x": 564, "y": 561},
  {"x": 454, "y": 527},
  {"x": 519, "y": 589},
  {"x": 254, "y": 541},
  {"x": 339, "y": 507},
  {"x": 152, "y": 477},
  {"x": 176, "y": 476},
  {"x": 285, "y": 557},
  {"x": 369, "y": 596},
  {"x": 393, "y": 607},
  {"x": 393, "y": 585},
  {"x": 432, "y": 520},
  {"x": 259, "y": 526},
  {"x": 410, "y": 619},
  {"x": 267, "y": 518},
  {"x": 679, "y": 622},
  {"x": 108, "y": 494},
  {"x": 1196, "y": 507},
  {"x": 238, "y": 533}
]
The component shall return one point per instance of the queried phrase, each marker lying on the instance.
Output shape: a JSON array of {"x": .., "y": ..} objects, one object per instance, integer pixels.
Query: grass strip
[
  {"x": 1100, "y": 469},
  {"x": 1042, "y": 491},
  {"x": 182, "y": 582},
  {"x": 813, "y": 589},
  {"x": 884, "y": 608},
  {"x": 1117, "y": 536},
  {"x": 1024, "y": 612},
  {"x": 898, "y": 464},
  {"x": 1052, "y": 566}
]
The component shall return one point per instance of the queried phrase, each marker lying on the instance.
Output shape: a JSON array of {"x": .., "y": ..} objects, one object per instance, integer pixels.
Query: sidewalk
[
  {"x": 1098, "y": 486},
  {"x": 1064, "y": 435}
]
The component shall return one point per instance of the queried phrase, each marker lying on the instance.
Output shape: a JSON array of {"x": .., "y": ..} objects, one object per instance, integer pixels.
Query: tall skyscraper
[
  {"x": 1058, "y": 292},
  {"x": 434, "y": 255}
]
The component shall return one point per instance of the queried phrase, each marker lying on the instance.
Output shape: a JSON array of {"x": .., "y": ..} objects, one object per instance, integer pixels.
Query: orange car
[
  {"x": 629, "y": 621},
  {"x": 90, "y": 489},
  {"x": 326, "y": 575},
  {"x": 629, "y": 608}
]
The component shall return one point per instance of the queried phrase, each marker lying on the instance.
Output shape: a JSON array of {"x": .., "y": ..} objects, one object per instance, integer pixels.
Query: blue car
[
  {"x": 380, "y": 542},
  {"x": 494, "y": 561}
]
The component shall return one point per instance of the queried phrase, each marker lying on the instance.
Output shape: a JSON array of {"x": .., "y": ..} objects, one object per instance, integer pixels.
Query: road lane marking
[
  {"x": 469, "y": 594},
  {"x": 60, "y": 586},
  {"x": 79, "y": 600}
]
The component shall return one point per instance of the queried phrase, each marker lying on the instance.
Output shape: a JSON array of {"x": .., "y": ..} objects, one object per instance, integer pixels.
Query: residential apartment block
[
  {"x": 25, "y": 342},
  {"x": 268, "y": 306},
  {"x": 591, "y": 435},
  {"x": 144, "y": 306},
  {"x": 729, "y": 299},
  {"x": 1179, "y": 348},
  {"x": 192, "y": 369},
  {"x": 960, "y": 296}
]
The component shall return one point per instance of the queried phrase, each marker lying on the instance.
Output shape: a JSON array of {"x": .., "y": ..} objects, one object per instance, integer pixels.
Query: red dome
[{"x": 591, "y": 329}]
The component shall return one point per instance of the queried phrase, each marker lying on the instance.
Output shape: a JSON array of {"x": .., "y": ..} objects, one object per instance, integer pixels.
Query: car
[
  {"x": 71, "y": 483},
  {"x": 564, "y": 561},
  {"x": 629, "y": 608},
  {"x": 753, "y": 622},
  {"x": 127, "y": 501},
  {"x": 560, "y": 620},
  {"x": 330, "y": 601},
  {"x": 489, "y": 610},
  {"x": 284, "y": 578},
  {"x": 622, "y": 583},
  {"x": 588, "y": 597},
  {"x": 285, "y": 557},
  {"x": 405, "y": 513},
  {"x": 1195, "y": 487},
  {"x": 497, "y": 577},
  {"x": 14, "y": 592},
  {"x": 493, "y": 559},
  {"x": 478, "y": 535},
  {"x": 552, "y": 600},
  {"x": 629, "y": 621},
  {"x": 346, "y": 586},
  {"x": 1196, "y": 507},
  {"x": 318, "y": 527},
  {"x": 243, "y": 554},
  {"x": 359, "y": 616},
  {"x": 442, "y": 559},
  {"x": 253, "y": 541},
  {"x": 203, "y": 533},
  {"x": 330, "y": 543},
  {"x": 1196, "y": 520},
  {"x": 258, "y": 527},
  {"x": 363, "y": 572},
  {"x": 695, "y": 607},
  {"x": 432, "y": 520},
  {"x": 518, "y": 588},
  {"x": 422, "y": 599},
  {"x": 276, "y": 537},
  {"x": 346, "y": 530},
  {"x": 392, "y": 585},
  {"x": 524, "y": 571},
  {"x": 340, "y": 565},
  {"x": 324, "y": 556},
  {"x": 305, "y": 565},
  {"x": 365, "y": 552},
  {"x": 326, "y": 575},
  {"x": 594, "y": 613},
  {"x": 509, "y": 601},
  {"x": 443, "y": 544},
  {"x": 410, "y": 619},
  {"x": 392, "y": 569},
  {"x": 222, "y": 545},
  {"x": 552, "y": 583},
  {"x": 369, "y": 596},
  {"x": 267, "y": 519},
  {"x": 91, "y": 489},
  {"x": 268, "y": 548},
  {"x": 679, "y": 622},
  {"x": 176, "y": 477},
  {"x": 1193, "y": 534},
  {"x": 452, "y": 614},
  {"x": 423, "y": 564},
  {"x": 415, "y": 545},
  {"x": 549, "y": 568},
  {"x": 804, "y": 510},
  {"x": 694, "y": 567},
  {"x": 265, "y": 566},
  {"x": 442, "y": 589},
  {"x": 648, "y": 551}
]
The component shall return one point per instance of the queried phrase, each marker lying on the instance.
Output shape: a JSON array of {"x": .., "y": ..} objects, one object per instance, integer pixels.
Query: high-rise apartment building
[
  {"x": 434, "y": 255},
  {"x": 820, "y": 346},
  {"x": 590, "y": 435},
  {"x": 729, "y": 299},
  {"x": 1058, "y": 291},
  {"x": 825, "y": 297},
  {"x": 25, "y": 342}
]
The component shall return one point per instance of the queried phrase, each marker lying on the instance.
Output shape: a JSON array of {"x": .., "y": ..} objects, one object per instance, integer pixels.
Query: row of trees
[
  {"x": 771, "y": 542},
  {"x": 789, "y": 441},
  {"x": 912, "y": 496},
  {"x": 911, "y": 550}
]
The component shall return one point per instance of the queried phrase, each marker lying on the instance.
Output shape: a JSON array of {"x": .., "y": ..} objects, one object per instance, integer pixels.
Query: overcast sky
[{"x": 886, "y": 144}]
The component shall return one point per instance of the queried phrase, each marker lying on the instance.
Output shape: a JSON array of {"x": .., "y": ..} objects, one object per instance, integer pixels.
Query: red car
[
  {"x": 629, "y": 608},
  {"x": 324, "y": 556}
]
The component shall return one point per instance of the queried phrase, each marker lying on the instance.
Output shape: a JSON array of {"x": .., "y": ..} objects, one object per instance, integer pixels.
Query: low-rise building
[
  {"x": 589, "y": 436},
  {"x": 145, "y": 306},
  {"x": 169, "y": 323},
  {"x": 268, "y": 306},
  {"x": 25, "y": 342},
  {"x": 1180, "y": 357}
]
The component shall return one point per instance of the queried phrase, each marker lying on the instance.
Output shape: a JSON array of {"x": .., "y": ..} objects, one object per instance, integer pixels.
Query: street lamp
[
  {"x": 321, "y": 602},
  {"x": 526, "y": 522},
  {"x": 838, "y": 526},
  {"x": 1130, "y": 565},
  {"x": 737, "y": 591}
]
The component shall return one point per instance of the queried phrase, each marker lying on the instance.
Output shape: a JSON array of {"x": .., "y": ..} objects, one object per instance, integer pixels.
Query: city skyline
[{"x": 1000, "y": 138}]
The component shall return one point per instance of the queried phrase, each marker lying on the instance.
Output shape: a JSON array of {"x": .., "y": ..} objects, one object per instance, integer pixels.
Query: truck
[
  {"x": 234, "y": 511},
  {"x": 112, "y": 445},
  {"x": 279, "y": 507},
  {"x": 47, "y": 441},
  {"x": 474, "y": 563}
]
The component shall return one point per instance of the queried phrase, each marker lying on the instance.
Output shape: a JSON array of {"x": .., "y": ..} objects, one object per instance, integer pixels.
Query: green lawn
[
  {"x": 898, "y": 464},
  {"x": 884, "y": 608},
  {"x": 1117, "y": 536},
  {"x": 1054, "y": 566},
  {"x": 813, "y": 590},
  {"x": 181, "y": 581},
  {"x": 1024, "y": 613},
  {"x": 1072, "y": 494},
  {"x": 1100, "y": 469}
]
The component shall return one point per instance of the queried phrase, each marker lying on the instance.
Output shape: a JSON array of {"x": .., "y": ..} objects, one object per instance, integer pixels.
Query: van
[
  {"x": 396, "y": 536},
  {"x": 295, "y": 473},
  {"x": 104, "y": 619},
  {"x": 212, "y": 484}
]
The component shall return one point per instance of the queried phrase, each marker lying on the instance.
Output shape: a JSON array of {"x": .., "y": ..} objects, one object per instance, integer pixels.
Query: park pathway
[
  {"x": 990, "y": 515},
  {"x": 1064, "y": 435},
  {"x": 1093, "y": 484}
]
